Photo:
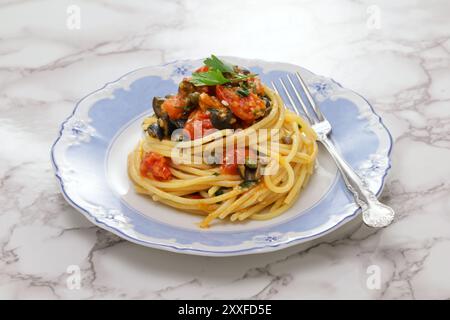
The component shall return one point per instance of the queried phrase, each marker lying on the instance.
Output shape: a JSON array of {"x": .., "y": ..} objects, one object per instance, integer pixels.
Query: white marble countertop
[{"x": 396, "y": 54}]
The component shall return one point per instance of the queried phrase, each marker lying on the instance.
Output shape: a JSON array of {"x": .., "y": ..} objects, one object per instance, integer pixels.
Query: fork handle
[{"x": 374, "y": 213}]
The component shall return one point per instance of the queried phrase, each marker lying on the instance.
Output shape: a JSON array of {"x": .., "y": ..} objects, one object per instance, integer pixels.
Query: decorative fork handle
[{"x": 374, "y": 213}]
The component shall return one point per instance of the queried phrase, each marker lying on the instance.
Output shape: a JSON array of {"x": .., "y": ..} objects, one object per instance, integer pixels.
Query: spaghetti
[{"x": 282, "y": 145}]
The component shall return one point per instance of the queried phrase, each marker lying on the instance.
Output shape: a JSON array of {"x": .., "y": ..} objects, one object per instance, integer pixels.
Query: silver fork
[{"x": 374, "y": 213}]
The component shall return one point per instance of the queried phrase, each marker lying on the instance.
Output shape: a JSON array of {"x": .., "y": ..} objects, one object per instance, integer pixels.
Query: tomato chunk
[
  {"x": 229, "y": 162},
  {"x": 234, "y": 157},
  {"x": 174, "y": 106},
  {"x": 231, "y": 169},
  {"x": 202, "y": 69},
  {"x": 156, "y": 166},
  {"x": 206, "y": 101},
  {"x": 197, "y": 124},
  {"x": 258, "y": 87},
  {"x": 247, "y": 108}
]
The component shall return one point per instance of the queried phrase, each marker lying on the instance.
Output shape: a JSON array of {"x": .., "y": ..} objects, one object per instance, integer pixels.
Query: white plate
[{"x": 90, "y": 156}]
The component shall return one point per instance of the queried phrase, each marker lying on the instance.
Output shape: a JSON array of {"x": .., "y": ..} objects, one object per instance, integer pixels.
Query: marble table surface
[{"x": 396, "y": 54}]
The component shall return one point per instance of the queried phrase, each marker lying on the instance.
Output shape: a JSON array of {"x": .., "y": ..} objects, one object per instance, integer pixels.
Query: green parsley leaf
[
  {"x": 243, "y": 92},
  {"x": 214, "y": 76},
  {"x": 210, "y": 78},
  {"x": 216, "y": 63}
]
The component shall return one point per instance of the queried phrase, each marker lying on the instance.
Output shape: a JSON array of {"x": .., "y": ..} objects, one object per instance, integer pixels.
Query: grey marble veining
[{"x": 396, "y": 54}]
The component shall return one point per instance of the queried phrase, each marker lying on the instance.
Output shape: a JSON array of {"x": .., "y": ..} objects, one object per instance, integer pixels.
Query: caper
[{"x": 186, "y": 87}]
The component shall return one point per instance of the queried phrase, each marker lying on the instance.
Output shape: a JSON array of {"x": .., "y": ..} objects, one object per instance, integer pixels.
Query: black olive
[
  {"x": 186, "y": 87},
  {"x": 221, "y": 118},
  {"x": 267, "y": 101},
  {"x": 242, "y": 70},
  {"x": 155, "y": 131},
  {"x": 157, "y": 103},
  {"x": 169, "y": 125},
  {"x": 249, "y": 174},
  {"x": 251, "y": 163},
  {"x": 219, "y": 192},
  {"x": 193, "y": 99},
  {"x": 177, "y": 123},
  {"x": 252, "y": 174},
  {"x": 245, "y": 71},
  {"x": 164, "y": 124},
  {"x": 267, "y": 111}
]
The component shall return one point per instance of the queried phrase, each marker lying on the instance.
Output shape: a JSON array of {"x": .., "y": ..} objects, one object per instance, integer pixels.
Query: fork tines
[{"x": 290, "y": 84}]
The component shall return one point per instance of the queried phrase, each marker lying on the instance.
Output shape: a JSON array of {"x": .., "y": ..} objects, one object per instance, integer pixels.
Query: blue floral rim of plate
[{"x": 79, "y": 158}]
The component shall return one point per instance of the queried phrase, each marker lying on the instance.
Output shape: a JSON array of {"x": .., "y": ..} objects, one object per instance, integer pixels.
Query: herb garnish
[
  {"x": 247, "y": 184},
  {"x": 215, "y": 74},
  {"x": 208, "y": 78},
  {"x": 216, "y": 63},
  {"x": 243, "y": 92}
]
